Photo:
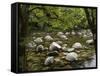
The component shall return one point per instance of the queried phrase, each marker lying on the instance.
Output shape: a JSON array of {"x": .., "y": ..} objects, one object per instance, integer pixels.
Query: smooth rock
[
  {"x": 48, "y": 38},
  {"x": 70, "y": 49},
  {"x": 31, "y": 45},
  {"x": 60, "y": 33},
  {"x": 77, "y": 45},
  {"x": 49, "y": 60},
  {"x": 67, "y": 33},
  {"x": 73, "y": 33},
  {"x": 54, "y": 46},
  {"x": 89, "y": 41},
  {"x": 39, "y": 48},
  {"x": 38, "y": 40},
  {"x": 63, "y": 37},
  {"x": 72, "y": 56}
]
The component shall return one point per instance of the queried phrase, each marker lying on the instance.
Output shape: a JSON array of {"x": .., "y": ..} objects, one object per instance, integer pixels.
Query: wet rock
[
  {"x": 38, "y": 40},
  {"x": 39, "y": 48},
  {"x": 48, "y": 38},
  {"x": 53, "y": 53},
  {"x": 54, "y": 46},
  {"x": 49, "y": 60},
  {"x": 72, "y": 56},
  {"x": 77, "y": 45}
]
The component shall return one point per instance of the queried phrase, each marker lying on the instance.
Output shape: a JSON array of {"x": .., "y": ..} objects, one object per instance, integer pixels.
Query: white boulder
[
  {"x": 67, "y": 33},
  {"x": 38, "y": 40},
  {"x": 70, "y": 49},
  {"x": 49, "y": 60},
  {"x": 73, "y": 33},
  {"x": 72, "y": 56},
  {"x": 77, "y": 45},
  {"x": 63, "y": 37},
  {"x": 31, "y": 45},
  {"x": 54, "y": 46},
  {"x": 60, "y": 33},
  {"x": 89, "y": 41},
  {"x": 48, "y": 38}
]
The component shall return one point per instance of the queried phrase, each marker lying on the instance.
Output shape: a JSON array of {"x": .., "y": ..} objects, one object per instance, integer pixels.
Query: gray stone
[
  {"x": 89, "y": 41},
  {"x": 72, "y": 56},
  {"x": 63, "y": 37},
  {"x": 49, "y": 60},
  {"x": 48, "y": 38},
  {"x": 54, "y": 46},
  {"x": 60, "y": 33},
  {"x": 77, "y": 45},
  {"x": 70, "y": 49},
  {"x": 39, "y": 48},
  {"x": 38, "y": 40}
]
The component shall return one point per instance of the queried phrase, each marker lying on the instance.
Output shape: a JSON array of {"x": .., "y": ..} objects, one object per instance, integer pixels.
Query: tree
[{"x": 91, "y": 17}]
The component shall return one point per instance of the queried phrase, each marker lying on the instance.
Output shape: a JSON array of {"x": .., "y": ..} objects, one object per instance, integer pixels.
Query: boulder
[
  {"x": 48, "y": 38},
  {"x": 54, "y": 46},
  {"x": 60, "y": 33},
  {"x": 70, "y": 49},
  {"x": 63, "y": 37},
  {"x": 73, "y": 33},
  {"x": 31, "y": 45},
  {"x": 79, "y": 33},
  {"x": 39, "y": 48},
  {"x": 77, "y": 45},
  {"x": 38, "y": 40},
  {"x": 34, "y": 38},
  {"x": 72, "y": 56},
  {"x": 67, "y": 33},
  {"x": 49, "y": 60},
  {"x": 90, "y": 41}
]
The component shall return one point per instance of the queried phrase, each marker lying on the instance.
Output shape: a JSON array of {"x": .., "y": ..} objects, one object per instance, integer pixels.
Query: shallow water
[{"x": 90, "y": 63}]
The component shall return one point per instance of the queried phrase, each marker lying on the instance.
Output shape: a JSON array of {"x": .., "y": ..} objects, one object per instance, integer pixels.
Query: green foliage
[{"x": 50, "y": 17}]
